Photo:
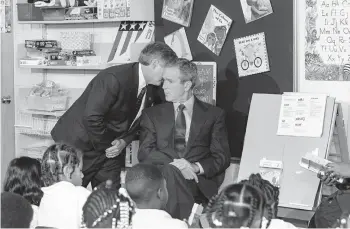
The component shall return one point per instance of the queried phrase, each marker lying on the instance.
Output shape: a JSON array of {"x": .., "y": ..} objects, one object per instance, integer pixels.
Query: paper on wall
[
  {"x": 179, "y": 43},
  {"x": 214, "y": 30},
  {"x": 251, "y": 54},
  {"x": 302, "y": 115}
]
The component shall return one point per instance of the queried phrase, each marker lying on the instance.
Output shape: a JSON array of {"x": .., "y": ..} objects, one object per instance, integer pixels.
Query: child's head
[
  {"x": 146, "y": 186},
  {"x": 62, "y": 163},
  {"x": 23, "y": 177},
  {"x": 211, "y": 39},
  {"x": 270, "y": 191},
  {"x": 16, "y": 211},
  {"x": 238, "y": 205},
  {"x": 106, "y": 207}
]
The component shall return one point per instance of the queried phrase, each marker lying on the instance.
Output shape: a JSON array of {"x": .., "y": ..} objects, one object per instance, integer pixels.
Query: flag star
[
  {"x": 142, "y": 25},
  {"x": 133, "y": 25},
  {"x": 124, "y": 25}
]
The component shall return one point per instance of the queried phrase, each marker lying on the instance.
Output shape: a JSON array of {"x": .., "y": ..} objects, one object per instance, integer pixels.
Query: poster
[
  {"x": 302, "y": 115},
  {"x": 251, "y": 54},
  {"x": 178, "y": 11},
  {"x": 130, "y": 32},
  {"x": 255, "y": 9},
  {"x": 205, "y": 88},
  {"x": 327, "y": 40},
  {"x": 179, "y": 43},
  {"x": 214, "y": 30}
]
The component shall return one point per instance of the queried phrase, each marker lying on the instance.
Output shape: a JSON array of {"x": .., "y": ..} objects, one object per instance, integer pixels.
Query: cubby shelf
[
  {"x": 69, "y": 67},
  {"x": 78, "y": 21}
]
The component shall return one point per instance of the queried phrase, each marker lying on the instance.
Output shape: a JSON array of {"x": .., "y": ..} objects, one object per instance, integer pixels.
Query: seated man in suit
[{"x": 187, "y": 139}]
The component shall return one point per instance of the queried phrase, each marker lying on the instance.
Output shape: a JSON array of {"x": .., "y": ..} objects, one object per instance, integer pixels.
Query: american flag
[
  {"x": 130, "y": 32},
  {"x": 346, "y": 70}
]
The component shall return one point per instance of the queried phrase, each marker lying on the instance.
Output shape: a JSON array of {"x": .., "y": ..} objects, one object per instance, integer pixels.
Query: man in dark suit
[
  {"x": 187, "y": 139},
  {"x": 105, "y": 118}
]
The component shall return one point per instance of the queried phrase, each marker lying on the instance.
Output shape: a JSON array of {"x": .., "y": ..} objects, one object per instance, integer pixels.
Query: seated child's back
[
  {"x": 147, "y": 188},
  {"x": 64, "y": 198}
]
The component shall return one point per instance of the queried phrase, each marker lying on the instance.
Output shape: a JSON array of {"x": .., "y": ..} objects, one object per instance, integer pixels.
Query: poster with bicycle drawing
[
  {"x": 251, "y": 54},
  {"x": 327, "y": 40}
]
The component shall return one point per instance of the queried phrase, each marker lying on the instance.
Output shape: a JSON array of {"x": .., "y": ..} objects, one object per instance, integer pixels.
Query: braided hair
[
  {"x": 55, "y": 159},
  {"x": 108, "y": 207},
  {"x": 270, "y": 191},
  {"x": 238, "y": 205}
]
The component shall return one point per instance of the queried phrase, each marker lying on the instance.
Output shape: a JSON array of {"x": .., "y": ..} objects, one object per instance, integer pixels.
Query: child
[
  {"x": 63, "y": 200},
  {"x": 107, "y": 207},
  {"x": 271, "y": 193},
  {"x": 16, "y": 211},
  {"x": 238, "y": 205},
  {"x": 146, "y": 186},
  {"x": 23, "y": 178}
]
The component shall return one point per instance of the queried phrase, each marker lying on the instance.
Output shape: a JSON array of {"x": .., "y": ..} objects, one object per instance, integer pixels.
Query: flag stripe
[
  {"x": 115, "y": 45},
  {"x": 127, "y": 42},
  {"x": 138, "y": 35},
  {"x": 121, "y": 42}
]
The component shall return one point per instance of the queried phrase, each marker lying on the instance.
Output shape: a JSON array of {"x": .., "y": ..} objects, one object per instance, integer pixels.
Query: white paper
[
  {"x": 179, "y": 43},
  {"x": 251, "y": 54},
  {"x": 302, "y": 115},
  {"x": 327, "y": 40},
  {"x": 254, "y": 10},
  {"x": 214, "y": 30}
]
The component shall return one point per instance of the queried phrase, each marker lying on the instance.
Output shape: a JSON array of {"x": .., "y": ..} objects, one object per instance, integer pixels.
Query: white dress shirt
[
  {"x": 142, "y": 84},
  {"x": 188, "y": 112},
  {"x": 61, "y": 205},
  {"x": 153, "y": 218},
  {"x": 34, "y": 222}
]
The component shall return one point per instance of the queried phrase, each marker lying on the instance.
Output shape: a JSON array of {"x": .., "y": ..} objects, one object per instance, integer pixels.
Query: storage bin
[
  {"x": 28, "y": 12},
  {"x": 53, "y": 13}
]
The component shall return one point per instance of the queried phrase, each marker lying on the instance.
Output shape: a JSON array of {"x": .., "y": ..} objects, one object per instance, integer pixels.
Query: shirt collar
[
  {"x": 142, "y": 81},
  {"x": 188, "y": 104}
]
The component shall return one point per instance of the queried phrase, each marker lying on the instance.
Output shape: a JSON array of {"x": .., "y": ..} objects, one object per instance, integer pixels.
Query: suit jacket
[
  {"x": 207, "y": 143},
  {"x": 104, "y": 111}
]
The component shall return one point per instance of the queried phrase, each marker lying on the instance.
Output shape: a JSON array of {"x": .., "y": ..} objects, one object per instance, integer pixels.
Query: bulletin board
[{"x": 234, "y": 93}]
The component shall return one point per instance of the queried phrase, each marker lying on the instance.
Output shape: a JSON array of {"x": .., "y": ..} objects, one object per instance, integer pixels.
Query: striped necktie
[{"x": 180, "y": 132}]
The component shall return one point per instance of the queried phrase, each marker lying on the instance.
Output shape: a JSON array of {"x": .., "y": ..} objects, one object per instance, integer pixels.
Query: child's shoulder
[{"x": 82, "y": 190}]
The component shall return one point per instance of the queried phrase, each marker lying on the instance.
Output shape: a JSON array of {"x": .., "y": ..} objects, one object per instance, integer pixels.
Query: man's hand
[
  {"x": 117, "y": 147},
  {"x": 181, "y": 164},
  {"x": 187, "y": 169},
  {"x": 339, "y": 169},
  {"x": 189, "y": 174}
]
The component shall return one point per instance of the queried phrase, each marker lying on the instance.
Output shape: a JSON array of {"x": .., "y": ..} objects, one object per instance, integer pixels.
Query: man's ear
[
  {"x": 67, "y": 171},
  {"x": 155, "y": 63},
  {"x": 160, "y": 193},
  {"x": 188, "y": 85}
]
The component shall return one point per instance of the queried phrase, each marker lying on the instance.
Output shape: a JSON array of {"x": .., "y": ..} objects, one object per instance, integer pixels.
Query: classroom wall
[
  {"x": 338, "y": 89},
  {"x": 234, "y": 93}
]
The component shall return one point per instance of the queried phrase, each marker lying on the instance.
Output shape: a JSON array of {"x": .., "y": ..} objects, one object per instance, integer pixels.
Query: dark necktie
[
  {"x": 180, "y": 132},
  {"x": 139, "y": 99}
]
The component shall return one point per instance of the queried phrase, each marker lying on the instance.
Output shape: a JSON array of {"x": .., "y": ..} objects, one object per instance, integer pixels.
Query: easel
[
  {"x": 262, "y": 141},
  {"x": 338, "y": 142}
]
